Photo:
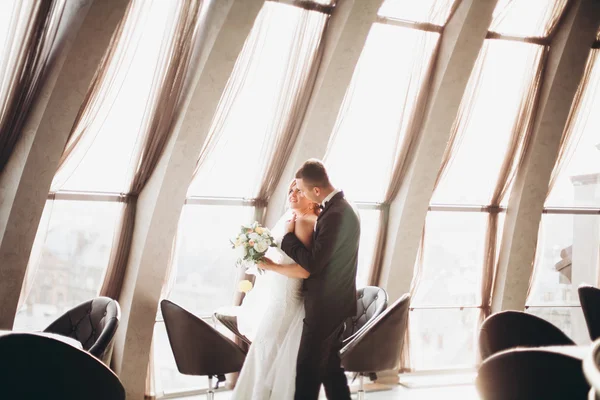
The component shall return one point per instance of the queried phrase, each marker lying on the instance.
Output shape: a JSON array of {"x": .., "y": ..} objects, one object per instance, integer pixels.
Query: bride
[{"x": 272, "y": 313}]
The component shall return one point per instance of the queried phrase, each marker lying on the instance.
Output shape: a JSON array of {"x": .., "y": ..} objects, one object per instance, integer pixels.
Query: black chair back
[
  {"x": 589, "y": 297},
  {"x": 39, "y": 367},
  {"x": 510, "y": 329},
  {"x": 371, "y": 301},
  {"x": 93, "y": 323},
  {"x": 378, "y": 346},
  {"x": 531, "y": 374},
  {"x": 198, "y": 348}
]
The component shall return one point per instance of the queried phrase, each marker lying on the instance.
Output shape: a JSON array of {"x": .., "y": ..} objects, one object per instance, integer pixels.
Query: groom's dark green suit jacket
[{"x": 330, "y": 291}]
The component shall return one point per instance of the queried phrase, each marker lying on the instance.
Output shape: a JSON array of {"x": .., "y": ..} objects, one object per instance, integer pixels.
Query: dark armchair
[
  {"x": 523, "y": 374},
  {"x": 591, "y": 369},
  {"x": 377, "y": 346},
  {"x": 589, "y": 297},
  {"x": 510, "y": 329},
  {"x": 39, "y": 367},
  {"x": 93, "y": 324},
  {"x": 198, "y": 348}
]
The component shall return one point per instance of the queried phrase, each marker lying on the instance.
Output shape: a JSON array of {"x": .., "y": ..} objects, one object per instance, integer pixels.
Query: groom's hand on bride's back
[{"x": 290, "y": 225}]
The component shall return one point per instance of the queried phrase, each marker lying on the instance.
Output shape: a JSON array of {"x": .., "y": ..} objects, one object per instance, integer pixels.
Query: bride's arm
[
  {"x": 304, "y": 231},
  {"x": 289, "y": 270}
]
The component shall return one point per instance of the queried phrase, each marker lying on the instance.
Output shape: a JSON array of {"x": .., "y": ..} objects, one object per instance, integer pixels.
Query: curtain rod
[
  {"x": 308, "y": 5},
  {"x": 571, "y": 211},
  {"x": 542, "y": 41},
  {"x": 465, "y": 208},
  {"x": 420, "y": 26}
]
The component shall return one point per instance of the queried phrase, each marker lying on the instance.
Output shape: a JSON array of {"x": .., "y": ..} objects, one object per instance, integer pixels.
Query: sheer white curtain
[
  {"x": 28, "y": 33},
  {"x": 258, "y": 117}
]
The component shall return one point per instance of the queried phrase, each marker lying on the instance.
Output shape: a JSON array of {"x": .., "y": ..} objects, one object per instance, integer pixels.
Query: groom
[{"x": 330, "y": 290}]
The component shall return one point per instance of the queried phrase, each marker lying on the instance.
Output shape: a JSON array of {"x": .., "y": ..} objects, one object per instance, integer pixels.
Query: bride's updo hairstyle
[{"x": 314, "y": 207}]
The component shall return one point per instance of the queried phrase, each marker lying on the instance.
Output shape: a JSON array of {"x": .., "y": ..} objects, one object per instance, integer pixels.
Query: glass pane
[
  {"x": 369, "y": 226},
  {"x": 570, "y": 320},
  {"x": 442, "y": 339},
  {"x": 432, "y": 11},
  {"x": 379, "y": 101},
  {"x": 266, "y": 83},
  {"x": 452, "y": 259},
  {"x": 206, "y": 271},
  {"x": 567, "y": 256},
  {"x": 107, "y": 164},
  {"x": 487, "y": 131},
  {"x": 73, "y": 260},
  {"x": 526, "y": 18},
  {"x": 578, "y": 181}
]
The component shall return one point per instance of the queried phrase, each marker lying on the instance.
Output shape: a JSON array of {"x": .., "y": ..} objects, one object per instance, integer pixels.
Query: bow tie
[{"x": 321, "y": 206}]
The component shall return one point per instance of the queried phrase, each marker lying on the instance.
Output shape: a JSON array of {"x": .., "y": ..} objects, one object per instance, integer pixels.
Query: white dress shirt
[{"x": 330, "y": 196}]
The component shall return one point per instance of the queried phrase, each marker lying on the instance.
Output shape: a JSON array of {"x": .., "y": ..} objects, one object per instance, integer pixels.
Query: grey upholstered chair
[
  {"x": 371, "y": 302},
  {"x": 198, "y": 348},
  {"x": 40, "y": 367},
  {"x": 510, "y": 329},
  {"x": 93, "y": 323},
  {"x": 377, "y": 346}
]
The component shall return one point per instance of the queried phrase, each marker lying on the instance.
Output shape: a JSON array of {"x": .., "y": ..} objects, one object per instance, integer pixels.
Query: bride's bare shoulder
[{"x": 304, "y": 229}]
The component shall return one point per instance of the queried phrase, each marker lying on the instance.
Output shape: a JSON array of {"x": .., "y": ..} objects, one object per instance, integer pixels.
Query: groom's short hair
[{"x": 313, "y": 172}]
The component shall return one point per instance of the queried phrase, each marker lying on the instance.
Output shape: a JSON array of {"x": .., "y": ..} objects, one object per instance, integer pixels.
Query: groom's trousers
[{"x": 319, "y": 363}]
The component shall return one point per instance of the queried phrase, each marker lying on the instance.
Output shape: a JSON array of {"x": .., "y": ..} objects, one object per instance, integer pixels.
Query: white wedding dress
[{"x": 271, "y": 316}]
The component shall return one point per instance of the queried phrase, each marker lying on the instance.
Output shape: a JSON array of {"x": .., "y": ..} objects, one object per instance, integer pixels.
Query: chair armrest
[
  {"x": 357, "y": 333},
  {"x": 358, "y": 336},
  {"x": 230, "y": 322}
]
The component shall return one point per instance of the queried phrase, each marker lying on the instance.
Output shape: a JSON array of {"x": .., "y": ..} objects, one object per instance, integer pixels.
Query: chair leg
[
  {"x": 210, "y": 395},
  {"x": 361, "y": 387}
]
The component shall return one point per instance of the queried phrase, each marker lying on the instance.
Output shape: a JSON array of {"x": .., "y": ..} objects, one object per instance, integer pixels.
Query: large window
[
  {"x": 375, "y": 125},
  {"x": 569, "y": 237},
  {"x": 263, "y": 91},
  {"x": 75, "y": 237},
  {"x": 464, "y": 225}
]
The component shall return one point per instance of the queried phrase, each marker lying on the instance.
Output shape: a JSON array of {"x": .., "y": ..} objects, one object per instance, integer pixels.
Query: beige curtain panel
[
  {"x": 303, "y": 60},
  {"x": 103, "y": 89},
  {"x": 161, "y": 111},
  {"x": 30, "y": 40}
]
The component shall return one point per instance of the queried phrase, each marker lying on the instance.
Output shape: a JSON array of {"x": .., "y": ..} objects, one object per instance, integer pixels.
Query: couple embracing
[{"x": 295, "y": 314}]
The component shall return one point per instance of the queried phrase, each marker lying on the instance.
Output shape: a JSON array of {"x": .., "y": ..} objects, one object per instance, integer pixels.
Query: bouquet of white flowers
[{"x": 252, "y": 243}]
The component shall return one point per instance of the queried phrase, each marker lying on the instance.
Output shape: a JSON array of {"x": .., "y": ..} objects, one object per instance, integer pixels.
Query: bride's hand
[{"x": 266, "y": 263}]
